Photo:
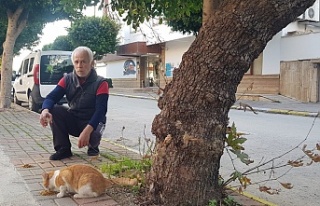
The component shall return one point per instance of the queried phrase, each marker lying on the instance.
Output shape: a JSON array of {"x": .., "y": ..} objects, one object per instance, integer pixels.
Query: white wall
[
  {"x": 299, "y": 27},
  {"x": 101, "y": 69},
  {"x": 115, "y": 69},
  {"x": 150, "y": 33},
  {"x": 271, "y": 56},
  {"x": 176, "y": 48},
  {"x": 174, "y": 51},
  {"x": 299, "y": 47}
]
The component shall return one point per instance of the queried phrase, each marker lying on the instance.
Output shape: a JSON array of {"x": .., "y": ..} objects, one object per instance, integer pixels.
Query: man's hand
[
  {"x": 84, "y": 137},
  {"x": 45, "y": 118}
]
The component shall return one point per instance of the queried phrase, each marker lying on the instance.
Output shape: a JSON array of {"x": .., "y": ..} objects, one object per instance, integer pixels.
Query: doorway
[{"x": 150, "y": 75}]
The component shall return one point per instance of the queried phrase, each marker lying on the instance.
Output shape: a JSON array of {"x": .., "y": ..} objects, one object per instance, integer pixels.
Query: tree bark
[
  {"x": 16, "y": 23},
  {"x": 209, "y": 6},
  {"x": 191, "y": 127}
]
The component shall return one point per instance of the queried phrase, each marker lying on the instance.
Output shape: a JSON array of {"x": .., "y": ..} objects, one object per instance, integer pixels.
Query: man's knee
[{"x": 59, "y": 112}]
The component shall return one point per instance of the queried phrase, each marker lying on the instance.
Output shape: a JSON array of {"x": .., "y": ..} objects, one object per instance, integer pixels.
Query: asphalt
[
  {"x": 267, "y": 103},
  {"x": 26, "y": 147}
]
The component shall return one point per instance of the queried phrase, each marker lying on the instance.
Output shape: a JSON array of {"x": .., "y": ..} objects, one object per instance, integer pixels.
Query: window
[
  {"x": 25, "y": 66},
  {"x": 20, "y": 69},
  {"x": 53, "y": 67},
  {"x": 31, "y": 64}
]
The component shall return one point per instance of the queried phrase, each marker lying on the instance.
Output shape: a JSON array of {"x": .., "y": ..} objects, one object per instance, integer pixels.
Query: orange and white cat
[{"x": 84, "y": 180}]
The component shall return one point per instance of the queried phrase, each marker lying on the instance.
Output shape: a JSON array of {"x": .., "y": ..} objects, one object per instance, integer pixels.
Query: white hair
[{"x": 83, "y": 49}]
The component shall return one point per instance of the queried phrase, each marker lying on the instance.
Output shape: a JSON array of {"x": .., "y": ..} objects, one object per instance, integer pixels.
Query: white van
[{"x": 39, "y": 73}]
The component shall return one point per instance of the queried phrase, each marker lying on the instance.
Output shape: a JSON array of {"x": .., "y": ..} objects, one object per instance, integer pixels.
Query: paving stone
[
  {"x": 82, "y": 201},
  {"x": 35, "y": 186},
  {"x": 26, "y": 173},
  {"x": 36, "y": 171},
  {"x": 45, "y": 165},
  {"x": 38, "y": 197},
  {"x": 27, "y": 161},
  {"x": 65, "y": 201},
  {"x": 15, "y": 162},
  {"x": 46, "y": 202},
  {"x": 110, "y": 202},
  {"x": 34, "y": 179},
  {"x": 58, "y": 164}
]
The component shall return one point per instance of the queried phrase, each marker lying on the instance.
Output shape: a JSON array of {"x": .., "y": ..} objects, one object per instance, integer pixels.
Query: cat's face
[{"x": 46, "y": 177}]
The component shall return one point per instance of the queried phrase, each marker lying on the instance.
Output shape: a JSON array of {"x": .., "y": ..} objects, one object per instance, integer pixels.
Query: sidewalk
[{"x": 29, "y": 146}]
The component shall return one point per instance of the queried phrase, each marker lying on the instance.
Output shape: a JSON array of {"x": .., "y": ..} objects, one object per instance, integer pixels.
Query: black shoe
[
  {"x": 93, "y": 151},
  {"x": 61, "y": 154}
]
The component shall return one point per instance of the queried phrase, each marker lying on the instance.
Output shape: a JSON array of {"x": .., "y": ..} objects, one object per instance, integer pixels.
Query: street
[
  {"x": 135, "y": 115},
  {"x": 269, "y": 135}
]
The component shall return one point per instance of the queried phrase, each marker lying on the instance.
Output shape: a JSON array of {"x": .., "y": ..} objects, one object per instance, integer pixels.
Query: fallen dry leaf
[
  {"x": 287, "y": 185},
  {"x": 48, "y": 193},
  {"x": 94, "y": 158},
  {"x": 27, "y": 166}
]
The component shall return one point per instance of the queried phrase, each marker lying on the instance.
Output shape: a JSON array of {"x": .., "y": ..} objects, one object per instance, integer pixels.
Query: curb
[
  {"x": 133, "y": 96},
  {"x": 296, "y": 113},
  {"x": 120, "y": 145},
  {"x": 282, "y": 111},
  {"x": 265, "y": 110},
  {"x": 253, "y": 197},
  {"x": 265, "y": 202}
]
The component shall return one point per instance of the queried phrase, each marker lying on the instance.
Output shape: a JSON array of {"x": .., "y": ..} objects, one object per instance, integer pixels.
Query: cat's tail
[
  {"x": 124, "y": 181},
  {"x": 109, "y": 183}
]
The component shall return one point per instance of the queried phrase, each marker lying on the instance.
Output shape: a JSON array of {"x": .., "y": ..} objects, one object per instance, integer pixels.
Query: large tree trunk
[
  {"x": 16, "y": 23},
  {"x": 191, "y": 126},
  {"x": 208, "y": 7}
]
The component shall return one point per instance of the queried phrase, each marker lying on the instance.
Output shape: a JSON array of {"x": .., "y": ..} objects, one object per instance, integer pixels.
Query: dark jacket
[{"x": 82, "y": 98}]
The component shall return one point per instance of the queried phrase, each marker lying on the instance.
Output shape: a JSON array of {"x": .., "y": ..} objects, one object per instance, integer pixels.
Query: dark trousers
[{"x": 64, "y": 124}]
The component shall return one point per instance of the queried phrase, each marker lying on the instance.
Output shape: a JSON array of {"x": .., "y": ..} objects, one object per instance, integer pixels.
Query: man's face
[{"x": 82, "y": 64}]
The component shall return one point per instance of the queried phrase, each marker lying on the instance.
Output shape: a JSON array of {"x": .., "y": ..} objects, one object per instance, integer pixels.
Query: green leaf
[
  {"x": 242, "y": 156},
  {"x": 184, "y": 16},
  {"x": 236, "y": 175},
  {"x": 240, "y": 140}
]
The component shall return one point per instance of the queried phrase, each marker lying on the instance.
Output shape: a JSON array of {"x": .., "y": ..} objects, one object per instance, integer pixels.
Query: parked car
[{"x": 39, "y": 73}]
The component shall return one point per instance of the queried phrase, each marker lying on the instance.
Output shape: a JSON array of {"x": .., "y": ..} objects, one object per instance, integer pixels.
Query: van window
[
  {"x": 31, "y": 64},
  {"x": 25, "y": 66},
  {"x": 20, "y": 69},
  {"x": 53, "y": 67}
]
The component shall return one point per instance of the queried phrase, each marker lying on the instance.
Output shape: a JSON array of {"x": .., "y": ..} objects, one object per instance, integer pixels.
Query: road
[
  {"x": 269, "y": 135},
  {"x": 135, "y": 115}
]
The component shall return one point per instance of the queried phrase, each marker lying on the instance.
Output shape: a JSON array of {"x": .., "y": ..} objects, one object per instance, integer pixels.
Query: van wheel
[
  {"x": 32, "y": 105},
  {"x": 15, "y": 99}
]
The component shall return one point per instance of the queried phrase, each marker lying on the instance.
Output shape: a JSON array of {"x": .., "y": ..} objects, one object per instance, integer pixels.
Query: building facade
[{"x": 154, "y": 51}]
